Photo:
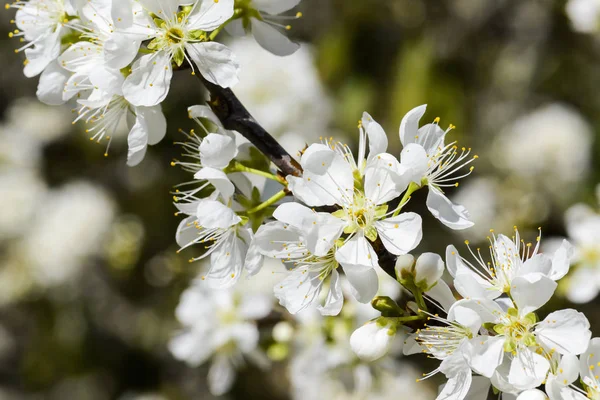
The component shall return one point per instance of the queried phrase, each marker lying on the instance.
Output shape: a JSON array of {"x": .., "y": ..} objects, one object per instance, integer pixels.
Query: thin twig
[{"x": 234, "y": 116}]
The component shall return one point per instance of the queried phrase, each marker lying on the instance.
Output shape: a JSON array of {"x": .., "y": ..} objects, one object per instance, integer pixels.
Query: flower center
[
  {"x": 175, "y": 35},
  {"x": 517, "y": 330}
]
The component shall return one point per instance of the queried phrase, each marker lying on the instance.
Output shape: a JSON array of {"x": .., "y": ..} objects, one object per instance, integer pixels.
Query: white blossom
[
  {"x": 174, "y": 38},
  {"x": 219, "y": 325},
  {"x": 427, "y": 160}
]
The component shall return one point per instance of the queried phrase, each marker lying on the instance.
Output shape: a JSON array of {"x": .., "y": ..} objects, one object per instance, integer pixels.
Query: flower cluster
[
  {"x": 116, "y": 57},
  {"x": 332, "y": 222}
]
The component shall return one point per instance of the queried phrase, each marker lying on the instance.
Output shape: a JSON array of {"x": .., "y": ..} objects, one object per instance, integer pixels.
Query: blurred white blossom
[
  {"x": 584, "y": 15},
  {"x": 550, "y": 146},
  {"x": 70, "y": 225}
]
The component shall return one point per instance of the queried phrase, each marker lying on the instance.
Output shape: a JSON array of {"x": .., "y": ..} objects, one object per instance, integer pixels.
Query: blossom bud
[
  {"x": 373, "y": 340},
  {"x": 428, "y": 270},
  {"x": 532, "y": 394},
  {"x": 386, "y": 306},
  {"x": 404, "y": 267}
]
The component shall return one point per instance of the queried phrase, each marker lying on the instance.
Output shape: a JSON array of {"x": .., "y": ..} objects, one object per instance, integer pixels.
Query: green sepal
[
  {"x": 154, "y": 44},
  {"x": 510, "y": 346},
  {"x": 179, "y": 57},
  {"x": 244, "y": 220},
  {"x": 499, "y": 329},
  {"x": 159, "y": 22},
  {"x": 371, "y": 233},
  {"x": 531, "y": 319},
  {"x": 513, "y": 312},
  {"x": 387, "y": 306},
  {"x": 380, "y": 211},
  {"x": 197, "y": 34}
]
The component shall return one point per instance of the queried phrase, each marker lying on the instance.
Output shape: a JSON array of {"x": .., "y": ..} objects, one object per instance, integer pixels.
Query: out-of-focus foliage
[{"x": 89, "y": 275}]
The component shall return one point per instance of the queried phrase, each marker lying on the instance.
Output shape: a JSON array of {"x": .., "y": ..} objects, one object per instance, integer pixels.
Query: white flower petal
[
  {"x": 149, "y": 83},
  {"x": 302, "y": 192},
  {"x": 531, "y": 291},
  {"x": 275, "y": 7},
  {"x": 272, "y": 40},
  {"x": 372, "y": 341},
  {"x": 292, "y": 214},
  {"x": 540, "y": 263},
  {"x": 328, "y": 175},
  {"x": 221, "y": 374},
  {"x": 186, "y": 232},
  {"x": 52, "y": 84},
  {"x": 120, "y": 50},
  {"x": 321, "y": 231},
  {"x": 378, "y": 141},
  {"x": 190, "y": 346},
  {"x": 533, "y": 394},
  {"x": 211, "y": 15},
  {"x": 400, "y": 234},
  {"x": 216, "y": 63},
  {"x": 364, "y": 283},
  {"x": 454, "y": 216},
  {"x": 122, "y": 13},
  {"x": 273, "y": 238},
  {"x": 201, "y": 111},
  {"x": 567, "y": 331},
  {"x": 357, "y": 254},
  {"x": 214, "y": 214},
  {"x": 583, "y": 285},
  {"x": 457, "y": 386},
  {"x": 335, "y": 298},
  {"x": 165, "y": 9},
  {"x": 414, "y": 162},
  {"x": 410, "y": 125},
  {"x": 218, "y": 179},
  {"x": 227, "y": 263},
  {"x": 528, "y": 369},
  {"x": 299, "y": 289},
  {"x": 470, "y": 285},
  {"x": 442, "y": 294},
  {"x": 431, "y": 137},
  {"x": 429, "y": 268},
  {"x": 137, "y": 141},
  {"x": 217, "y": 150},
  {"x": 155, "y": 122},
  {"x": 383, "y": 180},
  {"x": 236, "y": 27},
  {"x": 561, "y": 261},
  {"x": 485, "y": 354}
]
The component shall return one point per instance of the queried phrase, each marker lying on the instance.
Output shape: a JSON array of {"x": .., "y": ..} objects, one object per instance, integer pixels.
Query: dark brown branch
[{"x": 234, "y": 116}]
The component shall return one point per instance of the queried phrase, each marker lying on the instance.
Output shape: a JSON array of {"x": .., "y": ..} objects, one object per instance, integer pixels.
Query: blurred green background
[{"x": 86, "y": 305}]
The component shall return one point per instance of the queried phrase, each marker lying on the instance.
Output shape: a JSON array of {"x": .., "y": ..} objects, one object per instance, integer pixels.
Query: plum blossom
[
  {"x": 583, "y": 229},
  {"x": 519, "y": 356},
  {"x": 360, "y": 188},
  {"x": 511, "y": 261},
  {"x": 310, "y": 273},
  {"x": 225, "y": 238},
  {"x": 447, "y": 339},
  {"x": 42, "y": 24},
  {"x": 175, "y": 36},
  {"x": 427, "y": 160},
  {"x": 219, "y": 325}
]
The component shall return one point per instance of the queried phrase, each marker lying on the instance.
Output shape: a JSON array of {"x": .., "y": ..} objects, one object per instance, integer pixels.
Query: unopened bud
[
  {"x": 404, "y": 266},
  {"x": 386, "y": 306},
  {"x": 428, "y": 270}
]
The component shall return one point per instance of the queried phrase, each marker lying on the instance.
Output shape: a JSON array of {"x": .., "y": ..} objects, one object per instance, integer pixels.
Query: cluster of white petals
[{"x": 116, "y": 58}]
